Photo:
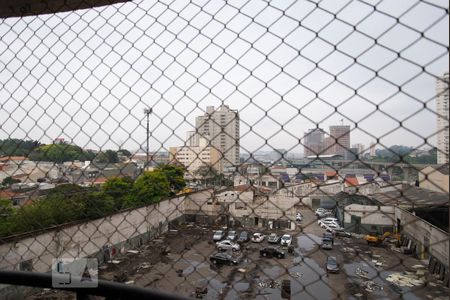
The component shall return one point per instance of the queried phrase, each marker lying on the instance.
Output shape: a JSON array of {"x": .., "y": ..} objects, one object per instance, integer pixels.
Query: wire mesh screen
[{"x": 229, "y": 149}]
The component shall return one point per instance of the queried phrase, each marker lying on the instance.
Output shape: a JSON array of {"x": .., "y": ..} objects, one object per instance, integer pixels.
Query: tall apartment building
[
  {"x": 221, "y": 128},
  {"x": 195, "y": 156},
  {"x": 442, "y": 87},
  {"x": 372, "y": 149},
  {"x": 341, "y": 138},
  {"x": 314, "y": 142}
]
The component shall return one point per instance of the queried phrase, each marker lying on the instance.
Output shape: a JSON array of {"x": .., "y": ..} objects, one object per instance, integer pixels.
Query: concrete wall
[
  {"x": 429, "y": 239},
  {"x": 370, "y": 215},
  {"x": 373, "y": 218},
  {"x": 88, "y": 238}
]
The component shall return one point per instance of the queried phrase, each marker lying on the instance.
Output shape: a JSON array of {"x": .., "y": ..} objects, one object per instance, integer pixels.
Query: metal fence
[{"x": 132, "y": 132}]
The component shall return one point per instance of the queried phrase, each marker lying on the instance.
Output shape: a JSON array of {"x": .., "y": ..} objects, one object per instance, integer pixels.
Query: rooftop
[{"x": 412, "y": 196}]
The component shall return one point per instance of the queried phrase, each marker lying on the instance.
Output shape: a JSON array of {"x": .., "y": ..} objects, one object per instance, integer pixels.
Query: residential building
[
  {"x": 442, "y": 119},
  {"x": 314, "y": 142},
  {"x": 194, "y": 157},
  {"x": 341, "y": 136},
  {"x": 221, "y": 128},
  {"x": 328, "y": 145}
]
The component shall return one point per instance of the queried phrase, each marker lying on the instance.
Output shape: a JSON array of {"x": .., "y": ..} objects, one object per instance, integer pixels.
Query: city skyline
[{"x": 281, "y": 76}]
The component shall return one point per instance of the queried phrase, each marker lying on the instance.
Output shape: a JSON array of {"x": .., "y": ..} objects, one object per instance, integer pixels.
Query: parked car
[
  {"x": 330, "y": 219},
  {"x": 320, "y": 210},
  {"x": 323, "y": 224},
  {"x": 222, "y": 258},
  {"x": 257, "y": 237},
  {"x": 218, "y": 235},
  {"x": 328, "y": 235},
  {"x": 332, "y": 226},
  {"x": 286, "y": 240},
  {"x": 327, "y": 244},
  {"x": 232, "y": 235},
  {"x": 299, "y": 217},
  {"x": 273, "y": 238},
  {"x": 227, "y": 245},
  {"x": 341, "y": 232},
  {"x": 272, "y": 252},
  {"x": 244, "y": 237},
  {"x": 332, "y": 265},
  {"x": 325, "y": 214}
]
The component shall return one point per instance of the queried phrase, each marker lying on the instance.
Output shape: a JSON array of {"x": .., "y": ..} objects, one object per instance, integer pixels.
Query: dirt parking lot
[{"x": 178, "y": 262}]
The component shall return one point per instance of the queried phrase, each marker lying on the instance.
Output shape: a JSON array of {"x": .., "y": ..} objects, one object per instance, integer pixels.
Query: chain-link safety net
[{"x": 228, "y": 149}]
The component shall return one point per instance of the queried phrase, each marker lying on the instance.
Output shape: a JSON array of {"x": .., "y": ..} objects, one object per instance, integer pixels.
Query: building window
[{"x": 26, "y": 265}]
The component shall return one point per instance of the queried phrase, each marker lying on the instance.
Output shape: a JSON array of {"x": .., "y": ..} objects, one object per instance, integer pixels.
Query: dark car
[
  {"x": 223, "y": 259},
  {"x": 342, "y": 232},
  {"x": 328, "y": 235},
  {"x": 327, "y": 244},
  {"x": 332, "y": 266},
  {"x": 272, "y": 252},
  {"x": 244, "y": 237}
]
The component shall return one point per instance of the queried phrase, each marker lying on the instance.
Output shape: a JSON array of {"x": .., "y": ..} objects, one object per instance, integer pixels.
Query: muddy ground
[{"x": 178, "y": 262}]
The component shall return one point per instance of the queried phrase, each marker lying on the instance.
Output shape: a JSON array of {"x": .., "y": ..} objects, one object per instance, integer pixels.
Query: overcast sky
[{"x": 87, "y": 75}]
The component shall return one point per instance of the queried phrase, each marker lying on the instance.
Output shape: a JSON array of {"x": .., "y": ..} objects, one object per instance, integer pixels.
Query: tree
[
  {"x": 107, "y": 157},
  {"x": 7, "y": 181},
  {"x": 16, "y": 147},
  {"x": 119, "y": 189},
  {"x": 149, "y": 188},
  {"x": 56, "y": 153},
  {"x": 124, "y": 152},
  {"x": 175, "y": 175},
  {"x": 98, "y": 205}
]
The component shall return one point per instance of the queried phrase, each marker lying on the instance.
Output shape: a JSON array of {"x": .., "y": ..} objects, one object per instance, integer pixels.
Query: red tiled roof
[
  {"x": 351, "y": 181},
  {"x": 8, "y": 158},
  {"x": 7, "y": 194}
]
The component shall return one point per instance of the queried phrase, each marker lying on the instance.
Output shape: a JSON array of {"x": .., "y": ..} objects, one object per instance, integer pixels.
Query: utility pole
[{"x": 147, "y": 112}]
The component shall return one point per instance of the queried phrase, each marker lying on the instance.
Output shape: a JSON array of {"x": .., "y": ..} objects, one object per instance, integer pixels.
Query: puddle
[
  {"x": 274, "y": 272},
  {"x": 194, "y": 266},
  {"x": 307, "y": 242},
  {"x": 215, "y": 288}
]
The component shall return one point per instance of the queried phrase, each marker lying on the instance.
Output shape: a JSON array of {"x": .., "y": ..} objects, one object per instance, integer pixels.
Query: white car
[
  {"x": 333, "y": 226},
  {"x": 320, "y": 210},
  {"x": 324, "y": 224},
  {"x": 286, "y": 240},
  {"x": 330, "y": 219},
  {"x": 218, "y": 235},
  {"x": 257, "y": 237},
  {"x": 232, "y": 235},
  {"x": 227, "y": 245}
]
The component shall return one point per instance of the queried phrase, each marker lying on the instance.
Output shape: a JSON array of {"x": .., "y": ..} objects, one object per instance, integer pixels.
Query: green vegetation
[
  {"x": 69, "y": 202},
  {"x": 16, "y": 147},
  {"x": 58, "y": 153},
  {"x": 397, "y": 153},
  {"x": 7, "y": 181}
]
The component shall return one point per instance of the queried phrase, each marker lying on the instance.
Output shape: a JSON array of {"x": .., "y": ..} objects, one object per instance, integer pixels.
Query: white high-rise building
[
  {"x": 359, "y": 147},
  {"x": 372, "y": 149},
  {"x": 442, "y": 119},
  {"x": 221, "y": 127}
]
